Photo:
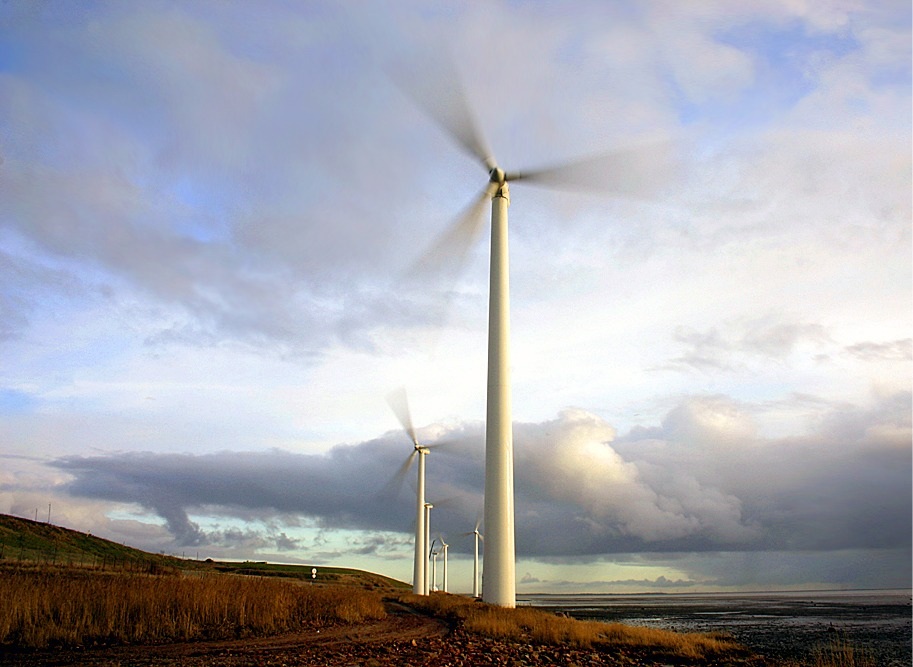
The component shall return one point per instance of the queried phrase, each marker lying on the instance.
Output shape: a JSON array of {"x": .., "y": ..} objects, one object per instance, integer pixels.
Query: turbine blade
[
  {"x": 637, "y": 172},
  {"x": 392, "y": 488},
  {"x": 437, "y": 89},
  {"x": 446, "y": 446},
  {"x": 449, "y": 501},
  {"x": 399, "y": 403},
  {"x": 446, "y": 257}
]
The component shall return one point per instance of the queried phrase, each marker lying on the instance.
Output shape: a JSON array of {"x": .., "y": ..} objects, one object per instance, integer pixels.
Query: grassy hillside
[
  {"x": 23, "y": 540},
  {"x": 335, "y": 575},
  {"x": 26, "y": 541}
]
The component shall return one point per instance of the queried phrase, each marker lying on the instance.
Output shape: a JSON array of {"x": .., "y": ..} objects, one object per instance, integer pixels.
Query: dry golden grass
[
  {"x": 39, "y": 608},
  {"x": 841, "y": 654},
  {"x": 838, "y": 654},
  {"x": 536, "y": 625}
]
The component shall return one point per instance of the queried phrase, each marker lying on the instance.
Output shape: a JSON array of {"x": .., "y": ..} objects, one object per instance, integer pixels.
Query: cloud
[
  {"x": 852, "y": 568},
  {"x": 229, "y": 194},
  {"x": 702, "y": 481},
  {"x": 659, "y": 583},
  {"x": 896, "y": 350},
  {"x": 203, "y": 203},
  {"x": 745, "y": 343},
  {"x": 573, "y": 460}
]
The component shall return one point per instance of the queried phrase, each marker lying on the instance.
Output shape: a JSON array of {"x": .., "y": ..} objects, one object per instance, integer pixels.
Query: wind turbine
[
  {"x": 433, "y": 557},
  {"x": 433, "y": 553},
  {"x": 624, "y": 172},
  {"x": 475, "y": 562},
  {"x": 400, "y": 405},
  {"x": 444, "y": 547},
  {"x": 426, "y": 587}
]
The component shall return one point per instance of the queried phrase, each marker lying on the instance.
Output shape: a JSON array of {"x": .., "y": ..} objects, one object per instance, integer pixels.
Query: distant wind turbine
[
  {"x": 400, "y": 406},
  {"x": 626, "y": 172},
  {"x": 426, "y": 588},
  {"x": 433, "y": 557},
  {"x": 444, "y": 547},
  {"x": 475, "y": 562}
]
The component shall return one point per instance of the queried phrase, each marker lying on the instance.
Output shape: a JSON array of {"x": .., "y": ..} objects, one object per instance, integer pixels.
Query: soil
[{"x": 405, "y": 637}]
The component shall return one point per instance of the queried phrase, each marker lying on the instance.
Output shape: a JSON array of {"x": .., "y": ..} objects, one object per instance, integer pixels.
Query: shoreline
[{"x": 876, "y": 623}]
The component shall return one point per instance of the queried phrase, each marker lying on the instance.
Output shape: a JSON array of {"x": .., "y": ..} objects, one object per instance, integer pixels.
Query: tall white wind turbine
[{"x": 620, "y": 172}]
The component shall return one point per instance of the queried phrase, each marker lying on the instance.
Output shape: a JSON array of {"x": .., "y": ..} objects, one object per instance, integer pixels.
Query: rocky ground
[{"x": 403, "y": 638}]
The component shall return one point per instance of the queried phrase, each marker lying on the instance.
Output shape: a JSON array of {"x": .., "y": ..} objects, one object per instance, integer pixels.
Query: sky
[{"x": 210, "y": 213}]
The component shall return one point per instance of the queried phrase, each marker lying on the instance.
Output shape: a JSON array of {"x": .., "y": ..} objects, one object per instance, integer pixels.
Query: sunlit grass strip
[
  {"x": 39, "y": 609},
  {"x": 842, "y": 654},
  {"x": 536, "y": 625},
  {"x": 839, "y": 653}
]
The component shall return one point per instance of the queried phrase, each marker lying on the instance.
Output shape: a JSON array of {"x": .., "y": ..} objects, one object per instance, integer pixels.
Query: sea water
[{"x": 790, "y": 624}]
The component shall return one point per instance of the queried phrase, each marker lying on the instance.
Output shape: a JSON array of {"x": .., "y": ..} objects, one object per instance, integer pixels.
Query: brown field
[{"x": 46, "y": 606}]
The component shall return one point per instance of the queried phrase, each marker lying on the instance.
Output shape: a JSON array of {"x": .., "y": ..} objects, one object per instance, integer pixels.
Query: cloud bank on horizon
[
  {"x": 206, "y": 213},
  {"x": 702, "y": 481}
]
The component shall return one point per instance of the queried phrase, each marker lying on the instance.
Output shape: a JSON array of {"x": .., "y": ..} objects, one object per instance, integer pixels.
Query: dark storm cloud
[{"x": 702, "y": 481}]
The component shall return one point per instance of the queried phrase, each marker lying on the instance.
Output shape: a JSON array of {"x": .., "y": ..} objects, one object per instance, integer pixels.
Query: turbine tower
[
  {"x": 475, "y": 561},
  {"x": 500, "y": 557},
  {"x": 625, "y": 172},
  {"x": 426, "y": 586}
]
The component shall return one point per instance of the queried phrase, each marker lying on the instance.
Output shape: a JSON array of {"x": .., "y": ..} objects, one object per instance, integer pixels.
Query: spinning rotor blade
[
  {"x": 438, "y": 90},
  {"x": 446, "y": 446},
  {"x": 636, "y": 172},
  {"x": 392, "y": 488},
  {"x": 447, "y": 255},
  {"x": 399, "y": 403},
  {"x": 449, "y": 501}
]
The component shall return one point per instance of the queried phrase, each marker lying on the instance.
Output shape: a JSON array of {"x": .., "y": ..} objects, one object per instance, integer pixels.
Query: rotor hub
[{"x": 497, "y": 175}]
